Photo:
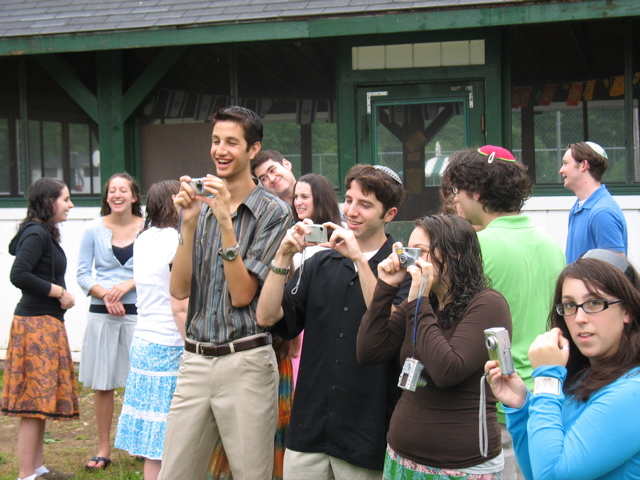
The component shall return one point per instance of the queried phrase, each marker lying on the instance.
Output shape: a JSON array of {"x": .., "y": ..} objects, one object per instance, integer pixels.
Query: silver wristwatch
[{"x": 229, "y": 253}]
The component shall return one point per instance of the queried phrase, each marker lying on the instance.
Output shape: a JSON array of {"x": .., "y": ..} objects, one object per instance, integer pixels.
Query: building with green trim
[{"x": 90, "y": 89}]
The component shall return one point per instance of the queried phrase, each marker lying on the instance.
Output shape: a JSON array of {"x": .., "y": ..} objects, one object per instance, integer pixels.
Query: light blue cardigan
[{"x": 95, "y": 248}]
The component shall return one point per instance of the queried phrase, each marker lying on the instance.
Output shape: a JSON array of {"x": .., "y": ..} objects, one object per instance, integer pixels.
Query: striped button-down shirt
[{"x": 260, "y": 223}]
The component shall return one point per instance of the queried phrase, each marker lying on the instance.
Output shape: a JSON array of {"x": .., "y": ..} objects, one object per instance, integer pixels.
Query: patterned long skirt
[{"x": 39, "y": 380}]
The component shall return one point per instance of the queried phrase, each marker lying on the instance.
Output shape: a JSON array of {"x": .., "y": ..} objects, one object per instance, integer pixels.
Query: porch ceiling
[{"x": 568, "y": 51}]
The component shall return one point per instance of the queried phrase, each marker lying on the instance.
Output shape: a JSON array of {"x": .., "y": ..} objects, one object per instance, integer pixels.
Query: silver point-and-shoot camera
[
  {"x": 410, "y": 377},
  {"x": 499, "y": 348},
  {"x": 407, "y": 255},
  {"x": 198, "y": 186},
  {"x": 318, "y": 233}
]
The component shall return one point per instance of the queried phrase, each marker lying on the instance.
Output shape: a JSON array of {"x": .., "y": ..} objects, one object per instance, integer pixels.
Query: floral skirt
[
  {"x": 147, "y": 398},
  {"x": 39, "y": 380},
  {"x": 399, "y": 468},
  {"x": 219, "y": 464}
]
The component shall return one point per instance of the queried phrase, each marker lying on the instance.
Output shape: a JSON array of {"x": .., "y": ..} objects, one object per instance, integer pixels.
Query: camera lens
[{"x": 491, "y": 343}]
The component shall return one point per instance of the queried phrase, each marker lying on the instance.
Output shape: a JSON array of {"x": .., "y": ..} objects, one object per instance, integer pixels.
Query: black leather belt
[{"x": 213, "y": 350}]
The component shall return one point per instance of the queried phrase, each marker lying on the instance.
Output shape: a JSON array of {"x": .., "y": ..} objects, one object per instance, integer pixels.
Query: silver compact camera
[
  {"x": 198, "y": 186},
  {"x": 407, "y": 255},
  {"x": 499, "y": 348},
  {"x": 410, "y": 377},
  {"x": 318, "y": 233}
]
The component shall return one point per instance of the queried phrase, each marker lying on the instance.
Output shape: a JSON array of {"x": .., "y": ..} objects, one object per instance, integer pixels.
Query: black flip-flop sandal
[{"x": 97, "y": 460}]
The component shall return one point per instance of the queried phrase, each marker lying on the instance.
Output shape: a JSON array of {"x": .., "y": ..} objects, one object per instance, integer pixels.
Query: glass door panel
[{"x": 413, "y": 129}]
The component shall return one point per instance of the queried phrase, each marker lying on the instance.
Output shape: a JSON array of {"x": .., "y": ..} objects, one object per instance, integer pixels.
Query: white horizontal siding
[
  {"x": 71, "y": 232},
  {"x": 550, "y": 213}
]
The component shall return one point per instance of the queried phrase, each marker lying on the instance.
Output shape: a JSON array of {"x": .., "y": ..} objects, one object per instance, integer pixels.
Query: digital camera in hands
[
  {"x": 499, "y": 348},
  {"x": 407, "y": 255},
  {"x": 198, "y": 185},
  {"x": 410, "y": 377},
  {"x": 318, "y": 233}
]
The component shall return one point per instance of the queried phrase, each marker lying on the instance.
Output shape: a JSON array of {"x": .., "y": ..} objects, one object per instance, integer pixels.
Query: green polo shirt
[{"x": 523, "y": 263}]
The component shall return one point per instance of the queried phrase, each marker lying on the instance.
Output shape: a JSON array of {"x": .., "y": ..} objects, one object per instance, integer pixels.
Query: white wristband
[{"x": 546, "y": 385}]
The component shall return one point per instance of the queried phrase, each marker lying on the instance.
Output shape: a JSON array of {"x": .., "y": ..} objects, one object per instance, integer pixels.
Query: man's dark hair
[
  {"x": 372, "y": 180},
  {"x": 503, "y": 185},
  {"x": 448, "y": 203},
  {"x": 250, "y": 121},
  {"x": 597, "y": 163},
  {"x": 265, "y": 156}
]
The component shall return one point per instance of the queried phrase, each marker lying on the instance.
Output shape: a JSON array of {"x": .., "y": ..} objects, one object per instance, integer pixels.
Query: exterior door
[{"x": 413, "y": 129}]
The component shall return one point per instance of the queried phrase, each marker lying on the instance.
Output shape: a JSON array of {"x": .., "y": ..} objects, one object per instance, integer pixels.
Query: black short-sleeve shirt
[{"x": 340, "y": 407}]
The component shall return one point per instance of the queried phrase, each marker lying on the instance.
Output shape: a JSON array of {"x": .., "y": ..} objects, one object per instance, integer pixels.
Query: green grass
[{"x": 70, "y": 444}]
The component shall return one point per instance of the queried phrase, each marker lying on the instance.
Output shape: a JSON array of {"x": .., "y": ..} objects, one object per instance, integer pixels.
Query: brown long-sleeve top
[{"x": 436, "y": 425}]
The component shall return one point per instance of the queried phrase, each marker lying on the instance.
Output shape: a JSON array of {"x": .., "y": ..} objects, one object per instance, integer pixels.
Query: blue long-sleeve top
[
  {"x": 558, "y": 437},
  {"x": 95, "y": 248}
]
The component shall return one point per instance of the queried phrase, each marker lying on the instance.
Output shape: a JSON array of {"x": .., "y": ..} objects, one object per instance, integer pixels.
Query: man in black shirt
[{"x": 341, "y": 409}]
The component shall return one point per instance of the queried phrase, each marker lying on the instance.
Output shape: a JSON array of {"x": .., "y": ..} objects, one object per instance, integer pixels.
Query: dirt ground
[{"x": 69, "y": 445}]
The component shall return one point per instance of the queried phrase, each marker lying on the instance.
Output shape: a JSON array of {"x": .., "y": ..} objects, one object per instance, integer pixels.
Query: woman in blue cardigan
[
  {"x": 581, "y": 420},
  {"x": 105, "y": 273}
]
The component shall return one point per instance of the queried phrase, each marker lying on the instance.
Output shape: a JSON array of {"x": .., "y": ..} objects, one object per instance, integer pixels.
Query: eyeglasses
[
  {"x": 455, "y": 190},
  {"x": 591, "y": 306}
]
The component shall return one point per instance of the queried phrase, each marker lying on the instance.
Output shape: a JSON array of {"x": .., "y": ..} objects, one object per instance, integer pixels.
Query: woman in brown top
[{"x": 435, "y": 430}]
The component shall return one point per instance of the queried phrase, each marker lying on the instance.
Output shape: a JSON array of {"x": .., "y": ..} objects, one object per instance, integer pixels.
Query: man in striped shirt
[{"x": 228, "y": 378}]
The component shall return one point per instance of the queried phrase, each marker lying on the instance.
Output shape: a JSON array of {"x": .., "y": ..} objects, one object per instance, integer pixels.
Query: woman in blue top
[
  {"x": 105, "y": 272},
  {"x": 581, "y": 421}
]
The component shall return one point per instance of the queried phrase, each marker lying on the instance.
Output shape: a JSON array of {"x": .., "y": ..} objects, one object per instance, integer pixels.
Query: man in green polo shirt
[{"x": 521, "y": 260}]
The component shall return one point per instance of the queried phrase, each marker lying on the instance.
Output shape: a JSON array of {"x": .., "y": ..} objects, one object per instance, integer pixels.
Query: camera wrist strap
[
  {"x": 294, "y": 290},
  {"x": 180, "y": 239},
  {"x": 482, "y": 417}
]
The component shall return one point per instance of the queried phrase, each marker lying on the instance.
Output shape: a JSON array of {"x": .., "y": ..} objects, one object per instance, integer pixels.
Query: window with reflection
[{"x": 568, "y": 85}]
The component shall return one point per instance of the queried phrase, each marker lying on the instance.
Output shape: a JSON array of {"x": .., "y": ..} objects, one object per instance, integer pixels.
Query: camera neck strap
[{"x": 423, "y": 286}]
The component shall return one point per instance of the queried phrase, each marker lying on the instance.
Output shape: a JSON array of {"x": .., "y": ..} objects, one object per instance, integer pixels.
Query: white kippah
[
  {"x": 389, "y": 172},
  {"x": 598, "y": 149}
]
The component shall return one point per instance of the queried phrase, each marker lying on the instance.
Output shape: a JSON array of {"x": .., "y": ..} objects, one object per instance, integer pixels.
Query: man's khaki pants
[{"x": 235, "y": 397}]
